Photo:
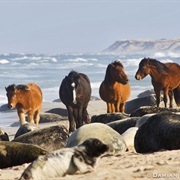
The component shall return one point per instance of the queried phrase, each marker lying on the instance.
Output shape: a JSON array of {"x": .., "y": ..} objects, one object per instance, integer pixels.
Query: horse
[
  {"x": 115, "y": 89},
  {"x": 27, "y": 98},
  {"x": 75, "y": 93},
  {"x": 164, "y": 76}
]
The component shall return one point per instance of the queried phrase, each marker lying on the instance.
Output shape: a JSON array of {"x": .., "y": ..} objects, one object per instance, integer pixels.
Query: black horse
[{"x": 75, "y": 93}]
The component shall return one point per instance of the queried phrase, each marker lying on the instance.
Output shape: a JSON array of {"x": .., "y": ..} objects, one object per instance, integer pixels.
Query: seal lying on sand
[
  {"x": 150, "y": 110},
  {"x": 102, "y": 132},
  {"x": 3, "y": 136},
  {"x": 80, "y": 159},
  {"x": 108, "y": 117},
  {"x": 129, "y": 135},
  {"x": 134, "y": 104},
  {"x": 143, "y": 119},
  {"x": 160, "y": 131},
  {"x": 50, "y": 138},
  {"x": 13, "y": 153},
  {"x": 122, "y": 125},
  {"x": 27, "y": 127}
]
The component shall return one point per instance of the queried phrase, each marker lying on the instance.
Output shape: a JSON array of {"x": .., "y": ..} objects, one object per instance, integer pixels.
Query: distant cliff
[{"x": 145, "y": 46}]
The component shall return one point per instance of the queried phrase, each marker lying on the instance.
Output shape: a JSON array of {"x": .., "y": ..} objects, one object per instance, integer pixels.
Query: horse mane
[
  {"x": 11, "y": 87},
  {"x": 108, "y": 77},
  {"x": 73, "y": 76},
  {"x": 161, "y": 67},
  {"x": 22, "y": 87},
  {"x": 117, "y": 63}
]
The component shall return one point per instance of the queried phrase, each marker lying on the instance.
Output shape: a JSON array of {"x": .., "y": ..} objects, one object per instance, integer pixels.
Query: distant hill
[{"x": 145, "y": 46}]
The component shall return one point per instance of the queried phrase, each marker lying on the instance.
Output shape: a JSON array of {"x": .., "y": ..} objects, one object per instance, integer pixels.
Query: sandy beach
[{"x": 129, "y": 165}]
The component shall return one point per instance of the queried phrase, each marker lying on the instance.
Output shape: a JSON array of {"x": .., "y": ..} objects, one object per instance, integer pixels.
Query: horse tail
[{"x": 176, "y": 92}]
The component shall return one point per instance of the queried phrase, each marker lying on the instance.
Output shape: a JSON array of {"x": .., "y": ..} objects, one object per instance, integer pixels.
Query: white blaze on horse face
[{"x": 74, "y": 93}]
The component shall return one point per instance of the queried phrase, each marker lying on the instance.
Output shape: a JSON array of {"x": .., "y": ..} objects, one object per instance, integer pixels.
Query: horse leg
[
  {"x": 21, "y": 117},
  {"x": 118, "y": 107},
  {"x": 71, "y": 119},
  {"x": 171, "y": 95},
  {"x": 113, "y": 110},
  {"x": 158, "y": 96},
  {"x": 31, "y": 116},
  {"x": 109, "y": 110},
  {"x": 122, "y": 107},
  {"x": 37, "y": 116},
  {"x": 79, "y": 120},
  {"x": 165, "y": 97},
  {"x": 85, "y": 116}
]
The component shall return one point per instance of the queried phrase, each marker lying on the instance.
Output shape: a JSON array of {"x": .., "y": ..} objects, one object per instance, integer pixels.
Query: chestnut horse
[
  {"x": 164, "y": 76},
  {"x": 75, "y": 93},
  {"x": 115, "y": 90},
  {"x": 27, "y": 99}
]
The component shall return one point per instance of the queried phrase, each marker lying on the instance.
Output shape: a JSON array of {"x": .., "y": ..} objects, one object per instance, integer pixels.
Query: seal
[
  {"x": 129, "y": 135},
  {"x": 150, "y": 110},
  {"x": 27, "y": 127},
  {"x": 51, "y": 117},
  {"x": 136, "y": 103},
  {"x": 108, "y": 117},
  {"x": 13, "y": 153},
  {"x": 102, "y": 132},
  {"x": 3, "y": 135},
  {"x": 79, "y": 159},
  {"x": 122, "y": 125},
  {"x": 161, "y": 131},
  {"x": 50, "y": 138},
  {"x": 143, "y": 119}
]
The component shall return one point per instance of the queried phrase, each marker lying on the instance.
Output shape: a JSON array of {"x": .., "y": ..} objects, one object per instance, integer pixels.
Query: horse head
[
  {"x": 146, "y": 67},
  {"x": 73, "y": 79},
  {"x": 12, "y": 93},
  {"x": 115, "y": 72},
  {"x": 143, "y": 69}
]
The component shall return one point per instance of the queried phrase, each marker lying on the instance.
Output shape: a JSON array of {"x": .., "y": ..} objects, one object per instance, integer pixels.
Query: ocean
[{"x": 48, "y": 71}]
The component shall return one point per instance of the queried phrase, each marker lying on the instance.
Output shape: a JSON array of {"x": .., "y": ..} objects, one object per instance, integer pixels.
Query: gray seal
[
  {"x": 3, "y": 135},
  {"x": 108, "y": 117},
  {"x": 134, "y": 104},
  {"x": 150, "y": 110},
  {"x": 13, "y": 153},
  {"x": 27, "y": 127},
  {"x": 122, "y": 125},
  {"x": 160, "y": 131},
  {"x": 102, "y": 132},
  {"x": 79, "y": 159},
  {"x": 51, "y": 138}
]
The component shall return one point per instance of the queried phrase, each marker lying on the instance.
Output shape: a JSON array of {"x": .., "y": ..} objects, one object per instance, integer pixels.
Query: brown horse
[
  {"x": 75, "y": 93},
  {"x": 115, "y": 90},
  {"x": 27, "y": 99},
  {"x": 165, "y": 77}
]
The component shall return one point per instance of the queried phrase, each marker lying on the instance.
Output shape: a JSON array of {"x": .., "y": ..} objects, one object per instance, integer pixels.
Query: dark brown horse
[
  {"x": 75, "y": 93},
  {"x": 27, "y": 98},
  {"x": 165, "y": 77},
  {"x": 115, "y": 90}
]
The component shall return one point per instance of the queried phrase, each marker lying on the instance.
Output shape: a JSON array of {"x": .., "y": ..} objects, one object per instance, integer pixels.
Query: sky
[{"x": 83, "y": 26}]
